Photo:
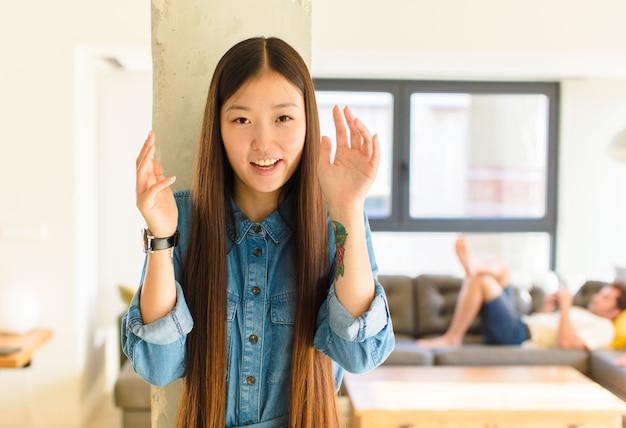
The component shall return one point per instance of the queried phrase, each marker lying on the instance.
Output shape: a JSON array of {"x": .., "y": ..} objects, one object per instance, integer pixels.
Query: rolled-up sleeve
[
  {"x": 165, "y": 330},
  {"x": 157, "y": 349},
  {"x": 356, "y": 344},
  {"x": 344, "y": 325}
]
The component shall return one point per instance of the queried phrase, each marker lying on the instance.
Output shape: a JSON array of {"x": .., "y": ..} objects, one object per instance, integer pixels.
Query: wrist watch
[{"x": 152, "y": 244}]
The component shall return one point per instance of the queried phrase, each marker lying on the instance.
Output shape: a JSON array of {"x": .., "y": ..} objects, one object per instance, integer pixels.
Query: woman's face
[{"x": 263, "y": 128}]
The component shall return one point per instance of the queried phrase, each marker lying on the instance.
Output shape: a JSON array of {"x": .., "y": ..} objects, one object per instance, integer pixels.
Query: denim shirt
[{"x": 260, "y": 318}]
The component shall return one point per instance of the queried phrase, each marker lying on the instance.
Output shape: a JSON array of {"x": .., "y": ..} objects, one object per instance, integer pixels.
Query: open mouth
[{"x": 265, "y": 163}]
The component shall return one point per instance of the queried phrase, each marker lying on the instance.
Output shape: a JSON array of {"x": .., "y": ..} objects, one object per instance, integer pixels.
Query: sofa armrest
[{"x": 130, "y": 390}]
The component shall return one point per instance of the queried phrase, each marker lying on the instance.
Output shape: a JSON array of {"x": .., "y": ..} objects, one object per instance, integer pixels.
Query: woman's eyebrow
[
  {"x": 274, "y": 107},
  {"x": 237, "y": 107},
  {"x": 284, "y": 105}
]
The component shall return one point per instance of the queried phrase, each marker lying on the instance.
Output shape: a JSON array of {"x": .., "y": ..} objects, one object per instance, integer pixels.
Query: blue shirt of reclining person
[{"x": 261, "y": 314}]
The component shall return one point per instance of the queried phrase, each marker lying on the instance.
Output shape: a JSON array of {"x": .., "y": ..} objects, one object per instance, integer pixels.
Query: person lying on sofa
[{"x": 558, "y": 324}]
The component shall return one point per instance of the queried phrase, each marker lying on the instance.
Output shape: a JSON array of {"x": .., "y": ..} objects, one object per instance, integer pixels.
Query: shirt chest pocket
[
  {"x": 283, "y": 318},
  {"x": 283, "y": 308}
]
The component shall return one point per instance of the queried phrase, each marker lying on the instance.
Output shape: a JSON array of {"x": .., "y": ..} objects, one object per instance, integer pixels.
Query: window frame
[{"x": 401, "y": 90}]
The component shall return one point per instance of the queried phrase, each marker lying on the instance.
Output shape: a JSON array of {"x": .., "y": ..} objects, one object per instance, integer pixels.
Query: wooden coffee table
[{"x": 485, "y": 397}]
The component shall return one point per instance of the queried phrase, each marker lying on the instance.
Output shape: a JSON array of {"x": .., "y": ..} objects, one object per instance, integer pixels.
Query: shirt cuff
[
  {"x": 369, "y": 324},
  {"x": 176, "y": 324}
]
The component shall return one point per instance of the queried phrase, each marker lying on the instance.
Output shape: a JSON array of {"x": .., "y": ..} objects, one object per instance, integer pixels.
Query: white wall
[
  {"x": 479, "y": 39},
  {"x": 124, "y": 113},
  {"x": 592, "y": 230},
  {"x": 124, "y": 118},
  {"x": 479, "y": 25},
  {"x": 40, "y": 182}
]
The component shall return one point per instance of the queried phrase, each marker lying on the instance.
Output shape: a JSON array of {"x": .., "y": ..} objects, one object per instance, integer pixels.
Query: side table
[
  {"x": 23, "y": 415},
  {"x": 26, "y": 343}
]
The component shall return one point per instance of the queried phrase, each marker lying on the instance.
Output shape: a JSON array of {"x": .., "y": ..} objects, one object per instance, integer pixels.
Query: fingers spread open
[
  {"x": 147, "y": 147},
  {"x": 365, "y": 137},
  {"x": 340, "y": 128},
  {"x": 325, "y": 151},
  {"x": 158, "y": 186},
  {"x": 158, "y": 171},
  {"x": 375, "y": 154},
  {"x": 356, "y": 141}
]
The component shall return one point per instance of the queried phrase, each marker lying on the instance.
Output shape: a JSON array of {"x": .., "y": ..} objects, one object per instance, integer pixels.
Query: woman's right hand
[{"x": 155, "y": 198}]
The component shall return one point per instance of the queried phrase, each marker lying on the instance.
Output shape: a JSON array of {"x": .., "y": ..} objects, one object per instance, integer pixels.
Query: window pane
[
  {"x": 375, "y": 110},
  {"x": 478, "y": 155},
  {"x": 526, "y": 254}
]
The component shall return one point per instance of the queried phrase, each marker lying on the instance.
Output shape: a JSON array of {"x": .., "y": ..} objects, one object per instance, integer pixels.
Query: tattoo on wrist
[{"x": 340, "y": 242}]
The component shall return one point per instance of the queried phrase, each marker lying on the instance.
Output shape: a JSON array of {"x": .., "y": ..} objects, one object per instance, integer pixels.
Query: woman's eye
[
  {"x": 284, "y": 118},
  {"x": 241, "y": 120}
]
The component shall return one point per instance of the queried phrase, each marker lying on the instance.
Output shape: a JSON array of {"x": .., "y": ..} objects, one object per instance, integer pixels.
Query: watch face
[{"x": 145, "y": 240}]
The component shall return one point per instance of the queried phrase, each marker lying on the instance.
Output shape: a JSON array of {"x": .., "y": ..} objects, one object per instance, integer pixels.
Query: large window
[{"x": 476, "y": 157}]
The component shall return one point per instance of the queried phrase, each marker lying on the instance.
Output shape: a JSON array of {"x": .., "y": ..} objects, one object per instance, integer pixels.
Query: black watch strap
[{"x": 152, "y": 244}]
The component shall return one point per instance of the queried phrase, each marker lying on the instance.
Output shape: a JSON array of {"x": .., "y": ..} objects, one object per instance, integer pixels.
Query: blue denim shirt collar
[{"x": 274, "y": 224}]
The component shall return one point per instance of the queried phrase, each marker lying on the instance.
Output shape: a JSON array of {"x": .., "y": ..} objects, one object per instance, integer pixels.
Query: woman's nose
[{"x": 261, "y": 138}]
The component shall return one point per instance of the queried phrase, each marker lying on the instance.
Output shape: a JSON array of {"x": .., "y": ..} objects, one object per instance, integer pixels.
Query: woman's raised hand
[
  {"x": 155, "y": 198},
  {"x": 346, "y": 181}
]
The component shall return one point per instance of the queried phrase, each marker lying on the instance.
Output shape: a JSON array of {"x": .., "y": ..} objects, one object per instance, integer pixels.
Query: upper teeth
[{"x": 266, "y": 162}]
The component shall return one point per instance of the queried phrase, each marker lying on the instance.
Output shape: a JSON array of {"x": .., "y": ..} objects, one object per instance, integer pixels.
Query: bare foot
[
  {"x": 438, "y": 342},
  {"x": 462, "y": 253}
]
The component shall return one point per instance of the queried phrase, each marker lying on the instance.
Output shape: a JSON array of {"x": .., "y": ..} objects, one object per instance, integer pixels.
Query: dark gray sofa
[{"x": 422, "y": 306}]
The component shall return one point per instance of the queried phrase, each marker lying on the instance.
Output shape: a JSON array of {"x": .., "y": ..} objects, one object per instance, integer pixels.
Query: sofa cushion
[
  {"x": 400, "y": 297},
  {"x": 131, "y": 391},
  {"x": 436, "y": 297},
  {"x": 491, "y": 355},
  {"x": 605, "y": 372},
  {"x": 407, "y": 353}
]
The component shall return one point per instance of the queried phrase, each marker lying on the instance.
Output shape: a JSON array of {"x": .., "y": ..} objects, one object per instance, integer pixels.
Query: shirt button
[
  {"x": 258, "y": 252},
  {"x": 250, "y": 380},
  {"x": 254, "y": 338},
  {"x": 256, "y": 291},
  {"x": 256, "y": 229}
]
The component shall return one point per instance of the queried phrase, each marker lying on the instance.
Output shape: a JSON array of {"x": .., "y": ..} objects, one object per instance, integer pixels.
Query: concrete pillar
[{"x": 188, "y": 38}]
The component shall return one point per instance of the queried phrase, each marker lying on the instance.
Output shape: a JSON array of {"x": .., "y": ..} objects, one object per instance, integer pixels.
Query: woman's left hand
[{"x": 346, "y": 181}]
